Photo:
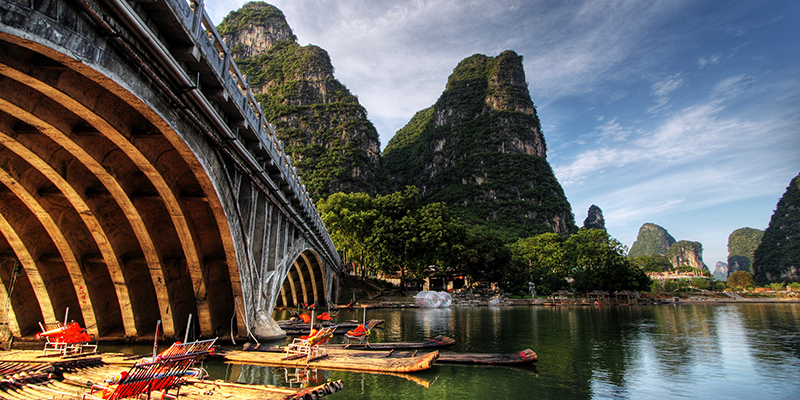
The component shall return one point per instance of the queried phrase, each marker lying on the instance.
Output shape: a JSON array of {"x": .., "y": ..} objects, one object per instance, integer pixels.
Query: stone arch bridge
[{"x": 139, "y": 180}]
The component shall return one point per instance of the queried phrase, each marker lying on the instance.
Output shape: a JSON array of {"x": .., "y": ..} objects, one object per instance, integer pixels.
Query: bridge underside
[{"x": 107, "y": 210}]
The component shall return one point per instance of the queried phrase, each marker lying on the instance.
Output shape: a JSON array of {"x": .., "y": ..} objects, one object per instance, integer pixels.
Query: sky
[{"x": 685, "y": 114}]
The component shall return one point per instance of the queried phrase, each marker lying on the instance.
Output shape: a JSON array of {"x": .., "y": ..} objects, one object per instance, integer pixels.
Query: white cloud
[
  {"x": 731, "y": 87},
  {"x": 706, "y": 61},
  {"x": 612, "y": 131},
  {"x": 662, "y": 91},
  {"x": 688, "y": 140}
]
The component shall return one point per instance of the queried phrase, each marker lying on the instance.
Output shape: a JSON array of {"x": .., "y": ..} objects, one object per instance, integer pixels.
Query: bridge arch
[
  {"x": 130, "y": 197},
  {"x": 306, "y": 283}
]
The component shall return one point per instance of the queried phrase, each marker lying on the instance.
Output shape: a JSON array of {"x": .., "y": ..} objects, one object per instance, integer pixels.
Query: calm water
[{"x": 722, "y": 351}]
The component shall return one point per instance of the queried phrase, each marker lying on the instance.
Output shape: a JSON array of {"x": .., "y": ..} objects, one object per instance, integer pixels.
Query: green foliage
[
  {"x": 795, "y": 286},
  {"x": 652, "y": 263},
  {"x": 483, "y": 257},
  {"x": 590, "y": 257},
  {"x": 719, "y": 286},
  {"x": 540, "y": 259},
  {"x": 740, "y": 279},
  {"x": 701, "y": 283},
  {"x": 350, "y": 219},
  {"x": 777, "y": 258},
  {"x": 598, "y": 262},
  {"x": 681, "y": 285},
  {"x": 656, "y": 287},
  {"x": 252, "y": 13},
  {"x": 454, "y": 151},
  {"x": 408, "y": 237},
  {"x": 742, "y": 244},
  {"x": 652, "y": 239},
  {"x": 776, "y": 286}
]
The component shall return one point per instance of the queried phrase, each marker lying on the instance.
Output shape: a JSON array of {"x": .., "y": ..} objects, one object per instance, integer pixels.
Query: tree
[
  {"x": 540, "y": 259},
  {"x": 740, "y": 279},
  {"x": 350, "y": 219},
  {"x": 598, "y": 261},
  {"x": 483, "y": 257},
  {"x": 408, "y": 238},
  {"x": 700, "y": 283},
  {"x": 652, "y": 263}
]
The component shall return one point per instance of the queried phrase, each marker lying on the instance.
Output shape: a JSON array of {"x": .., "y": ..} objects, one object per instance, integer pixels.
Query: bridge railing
[{"x": 254, "y": 138}]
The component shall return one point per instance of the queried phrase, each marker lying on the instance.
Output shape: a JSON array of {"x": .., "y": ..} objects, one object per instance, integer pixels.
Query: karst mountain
[{"x": 479, "y": 149}]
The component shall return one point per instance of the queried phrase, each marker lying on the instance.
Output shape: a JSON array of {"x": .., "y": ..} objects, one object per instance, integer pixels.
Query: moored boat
[
  {"x": 522, "y": 357},
  {"x": 301, "y": 328}
]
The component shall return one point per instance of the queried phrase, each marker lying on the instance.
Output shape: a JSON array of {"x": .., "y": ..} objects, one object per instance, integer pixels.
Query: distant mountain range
[{"x": 479, "y": 148}]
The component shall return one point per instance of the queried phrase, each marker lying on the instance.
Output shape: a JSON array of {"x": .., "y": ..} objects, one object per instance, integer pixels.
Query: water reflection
[{"x": 670, "y": 351}]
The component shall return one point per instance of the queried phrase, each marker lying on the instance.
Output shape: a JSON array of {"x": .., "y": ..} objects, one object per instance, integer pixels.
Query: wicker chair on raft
[
  {"x": 167, "y": 371},
  {"x": 309, "y": 346}
]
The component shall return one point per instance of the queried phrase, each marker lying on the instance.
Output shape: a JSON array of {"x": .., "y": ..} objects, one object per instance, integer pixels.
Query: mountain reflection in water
[{"x": 724, "y": 351}]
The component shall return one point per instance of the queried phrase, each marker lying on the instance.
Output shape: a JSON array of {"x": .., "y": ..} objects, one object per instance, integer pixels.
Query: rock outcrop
[
  {"x": 684, "y": 254},
  {"x": 480, "y": 150},
  {"x": 594, "y": 218},
  {"x": 720, "y": 271},
  {"x": 324, "y": 128}
]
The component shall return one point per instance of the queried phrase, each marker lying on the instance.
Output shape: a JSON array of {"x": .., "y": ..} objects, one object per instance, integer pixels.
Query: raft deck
[
  {"x": 25, "y": 375},
  {"x": 340, "y": 359},
  {"x": 526, "y": 356}
]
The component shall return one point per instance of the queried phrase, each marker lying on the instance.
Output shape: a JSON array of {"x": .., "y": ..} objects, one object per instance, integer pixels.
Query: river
[{"x": 691, "y": 351}]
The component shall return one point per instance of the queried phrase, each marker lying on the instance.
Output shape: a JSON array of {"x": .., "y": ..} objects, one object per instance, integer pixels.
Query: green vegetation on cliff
[
  {"x": 252, "y": 13},
  {"x": 324, "y": 128},
  {"x": 742, "y": 244},
  {"x": 652, "y": 239},
  {"x": 479, "y": 149},
  {"x": 685, "y": 255},
  {"x": 777, "y": 258}
]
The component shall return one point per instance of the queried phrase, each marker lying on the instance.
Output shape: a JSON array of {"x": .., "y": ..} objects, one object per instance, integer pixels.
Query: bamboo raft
[
  {"x": 427, "y": 344},
  {"x": 526, "y": 356},
  {"x": 340, "y": 359},
  {"x": 25, "y": 375}
]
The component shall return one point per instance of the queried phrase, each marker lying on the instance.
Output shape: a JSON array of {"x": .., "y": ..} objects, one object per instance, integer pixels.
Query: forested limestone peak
[
  {"x": 777, "y": 257},
  {"x": 742, "y": 244},
  {"x": 652, "y": 239},
  {"x": 254, "y": 28},
  {"x": 594, "y": 218},
  {"x": 324, "y": 128},
  {"x": 480, "y": 149}
]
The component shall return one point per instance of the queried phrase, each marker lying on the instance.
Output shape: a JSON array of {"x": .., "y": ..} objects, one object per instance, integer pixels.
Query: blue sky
[{"x": 685, "y": 114}]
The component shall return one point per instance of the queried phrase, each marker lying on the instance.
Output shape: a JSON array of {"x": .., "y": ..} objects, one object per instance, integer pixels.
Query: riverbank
[{"x": 710, "y": 297}]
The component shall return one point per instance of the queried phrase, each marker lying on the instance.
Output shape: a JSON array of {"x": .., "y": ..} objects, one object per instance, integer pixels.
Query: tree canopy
[
  {"x": 590, "y": 259},
  {"x": 740, "y": 279}
]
